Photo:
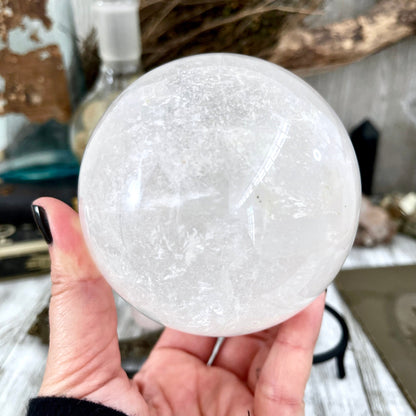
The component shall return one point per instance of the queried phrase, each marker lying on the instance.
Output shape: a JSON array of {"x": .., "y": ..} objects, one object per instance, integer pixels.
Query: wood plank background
[{"x": 381, "y": 88}]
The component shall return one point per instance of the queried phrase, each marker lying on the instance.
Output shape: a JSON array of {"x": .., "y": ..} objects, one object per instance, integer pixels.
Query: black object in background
[
  {"x": 365, "y": 139},
  {"x": 23, "y": 250},
  {"x": 16, "y": 198}
]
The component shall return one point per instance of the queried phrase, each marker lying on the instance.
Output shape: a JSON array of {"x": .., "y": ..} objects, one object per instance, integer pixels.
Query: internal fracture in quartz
[{"x": 219, "y": 194}]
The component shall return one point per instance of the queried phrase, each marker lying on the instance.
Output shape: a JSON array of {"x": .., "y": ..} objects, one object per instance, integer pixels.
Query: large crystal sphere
[{"x": 219, "y": 194}]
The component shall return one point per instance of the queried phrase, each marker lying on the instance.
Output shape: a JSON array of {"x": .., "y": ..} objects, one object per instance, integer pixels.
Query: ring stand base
[{"x": 337, "y": 352}]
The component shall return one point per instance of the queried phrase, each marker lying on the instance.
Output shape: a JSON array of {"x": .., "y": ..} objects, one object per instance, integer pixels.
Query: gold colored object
[
  {"x": 90, "y": 112},
  {"x": 402, "y": 207}
]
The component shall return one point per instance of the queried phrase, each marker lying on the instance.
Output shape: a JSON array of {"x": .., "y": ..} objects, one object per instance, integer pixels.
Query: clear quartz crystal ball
[{"x": 219, "y": 194}]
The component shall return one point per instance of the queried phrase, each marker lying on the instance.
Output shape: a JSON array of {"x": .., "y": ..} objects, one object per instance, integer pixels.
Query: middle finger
[{"x": 237, "y": 354}]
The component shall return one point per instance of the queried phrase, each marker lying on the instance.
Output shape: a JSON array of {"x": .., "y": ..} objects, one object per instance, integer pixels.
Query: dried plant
[
  {"x": 269, "y": 29},
  {"x": 175, "y": 28},
  {"x": 89, "y": 58}
]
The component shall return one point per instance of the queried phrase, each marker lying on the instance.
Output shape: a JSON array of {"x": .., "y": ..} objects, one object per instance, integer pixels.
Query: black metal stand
[{"x": 338, "y": 351}]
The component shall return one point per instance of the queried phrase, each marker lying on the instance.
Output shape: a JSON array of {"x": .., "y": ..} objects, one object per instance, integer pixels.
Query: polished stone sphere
[{"x": 219, "y": 194}]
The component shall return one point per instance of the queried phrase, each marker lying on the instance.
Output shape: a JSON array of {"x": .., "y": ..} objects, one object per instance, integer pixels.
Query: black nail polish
[{"x": 41, "y": 220}]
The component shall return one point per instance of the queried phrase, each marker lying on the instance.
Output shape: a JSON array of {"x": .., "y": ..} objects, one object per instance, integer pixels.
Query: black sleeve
[{"x": 65, "y": 406}]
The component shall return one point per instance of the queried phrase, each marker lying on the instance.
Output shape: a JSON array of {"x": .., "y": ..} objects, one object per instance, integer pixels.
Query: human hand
[{"x": 259, "y": 374}]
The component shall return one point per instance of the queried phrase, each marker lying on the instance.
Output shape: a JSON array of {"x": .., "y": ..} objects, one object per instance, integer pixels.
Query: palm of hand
[
  {"x": 177, "y": 383},
  {"x": 260, "y": 374}
]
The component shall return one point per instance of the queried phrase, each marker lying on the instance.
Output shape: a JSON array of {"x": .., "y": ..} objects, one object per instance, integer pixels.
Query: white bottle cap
[{"x": 118, "y": 29}]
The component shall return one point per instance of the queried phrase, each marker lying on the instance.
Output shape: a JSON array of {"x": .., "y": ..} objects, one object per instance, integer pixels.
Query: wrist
[{"x": 66, "y": 406}]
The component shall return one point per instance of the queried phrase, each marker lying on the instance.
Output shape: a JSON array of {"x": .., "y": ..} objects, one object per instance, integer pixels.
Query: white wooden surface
[{"x": 368, "y": 388}]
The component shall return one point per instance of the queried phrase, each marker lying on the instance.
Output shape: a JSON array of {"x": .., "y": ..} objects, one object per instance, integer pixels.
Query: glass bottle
[{"x": 118, "y": 31}]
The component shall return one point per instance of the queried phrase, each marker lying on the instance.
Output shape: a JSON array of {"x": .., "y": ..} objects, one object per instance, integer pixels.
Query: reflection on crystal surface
[{"x": 219, "y": 194}]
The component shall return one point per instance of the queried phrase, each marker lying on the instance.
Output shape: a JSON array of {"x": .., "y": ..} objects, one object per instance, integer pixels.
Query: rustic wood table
[{"x": 367, "y": 389}]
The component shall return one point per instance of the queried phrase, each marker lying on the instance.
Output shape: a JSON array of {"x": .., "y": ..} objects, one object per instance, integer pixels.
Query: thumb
[{"x": 83, "y": 353}]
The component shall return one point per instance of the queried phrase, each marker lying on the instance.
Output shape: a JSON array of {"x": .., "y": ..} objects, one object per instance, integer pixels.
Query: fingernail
[{"x": 41, "y": 220}]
